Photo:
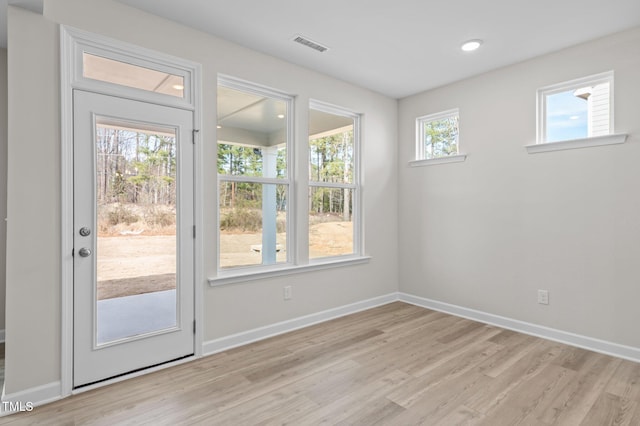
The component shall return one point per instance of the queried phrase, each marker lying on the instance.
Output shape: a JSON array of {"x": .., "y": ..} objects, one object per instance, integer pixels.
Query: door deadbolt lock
[
  {"x": 84, "y": 231},
  {"x": 84, "y": 252}
]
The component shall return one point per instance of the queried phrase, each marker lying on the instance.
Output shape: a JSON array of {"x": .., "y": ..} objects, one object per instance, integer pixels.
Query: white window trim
[
  {"x": 541, "y": 104},
  {"x": 420, "y": 159},
  {"x": 357, "y": 216},
  {"x": 458, "y": 158},
  {"x": 291, "y": 229},
  {"x": 577, "y": 143},
  {"x": 243, "y": 275}
]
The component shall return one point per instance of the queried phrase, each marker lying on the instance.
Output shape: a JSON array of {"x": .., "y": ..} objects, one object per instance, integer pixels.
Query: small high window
[
  {"x": 576, "y": 109},
  {"x": 437, "y": 135}
]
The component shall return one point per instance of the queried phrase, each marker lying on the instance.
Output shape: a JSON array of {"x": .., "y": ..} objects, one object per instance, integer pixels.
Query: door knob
[{"x": 84, "y": 252}]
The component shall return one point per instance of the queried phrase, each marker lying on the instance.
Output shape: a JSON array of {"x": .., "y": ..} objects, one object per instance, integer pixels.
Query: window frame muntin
[
  {"x": 291, "y": 244},
  {"x": 565, "y": 86}
]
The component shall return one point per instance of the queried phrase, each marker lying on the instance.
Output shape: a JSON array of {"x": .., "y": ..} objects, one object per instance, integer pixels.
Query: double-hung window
[
  {"x": 254, "y": 175},
  {"x": 334, "y": 185}
]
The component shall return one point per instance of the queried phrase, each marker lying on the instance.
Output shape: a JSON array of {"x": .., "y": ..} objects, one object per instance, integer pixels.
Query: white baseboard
[
  {"x": 2, "y": 336},
  {"x": 585, "y": 342},
  {"x": 261, "y": 333},
  {"x": 36, "y": 396}
]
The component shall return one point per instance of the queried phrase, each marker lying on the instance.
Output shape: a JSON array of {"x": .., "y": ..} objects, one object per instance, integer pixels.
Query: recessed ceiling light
[
  {"x": 280, "y": 115},
  {"x": 178, "y": 86},
  {"x": 219, "y": 126},
  {"x": 471, "y": 45}
]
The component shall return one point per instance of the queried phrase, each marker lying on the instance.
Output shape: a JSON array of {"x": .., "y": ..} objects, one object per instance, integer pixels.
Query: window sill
[
  {"x": 245, "y": 275},
  {"x": 576, "y": 143},
  {"x": 441, "y": 160}
]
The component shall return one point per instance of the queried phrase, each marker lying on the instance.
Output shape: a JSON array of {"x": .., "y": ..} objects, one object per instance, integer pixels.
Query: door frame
[{"x": 73, "y": 43}]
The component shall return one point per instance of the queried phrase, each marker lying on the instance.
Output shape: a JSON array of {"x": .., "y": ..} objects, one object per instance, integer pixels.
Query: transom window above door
[
  {"x": 133, "y": 72},
  {"x": 117, "y": 72}
]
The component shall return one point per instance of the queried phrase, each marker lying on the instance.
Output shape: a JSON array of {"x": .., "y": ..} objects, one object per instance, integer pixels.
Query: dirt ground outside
[{"x": 136, "y": 264}]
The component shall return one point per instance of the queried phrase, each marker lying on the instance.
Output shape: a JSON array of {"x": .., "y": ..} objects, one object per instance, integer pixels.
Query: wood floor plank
[
  {"x": 462, "y": 346},
  {"x": 351, "y": 401},
  {"x": 625, "y": 381},
  {"x": 461, "y": 416},
  {"x": 260, "y": 410},
  {"x": 396, "y": 364},
  {"x": 515, "y": 348},
  {"x": 417, "y": 348},
  {"x": 635, "y": 420},
  {"x": 527, "y": 401},
  {"x": 573, "y": 358},
  {"x": 440, "y": 400},
  {"x": 533, "y": 359},
  {"x": 380, "y": 411},
  {"x": 446, "y": 372},
  {"x": 276, "y": 366},
  {"x": 576, "y": 399},
  {"x": 610, "y": 410}
]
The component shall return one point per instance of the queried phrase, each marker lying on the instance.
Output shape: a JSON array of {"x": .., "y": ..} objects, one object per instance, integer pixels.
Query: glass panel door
[{"x": 133, "y": 290}]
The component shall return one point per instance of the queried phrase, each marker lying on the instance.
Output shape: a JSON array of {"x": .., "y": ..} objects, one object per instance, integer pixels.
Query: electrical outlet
[
  {"x": 288, "y": 292},
  {"x": 543, "y": 297}
]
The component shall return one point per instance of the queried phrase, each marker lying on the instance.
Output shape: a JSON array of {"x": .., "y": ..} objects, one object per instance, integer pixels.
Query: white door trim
[{"x": 70, "y": 41}]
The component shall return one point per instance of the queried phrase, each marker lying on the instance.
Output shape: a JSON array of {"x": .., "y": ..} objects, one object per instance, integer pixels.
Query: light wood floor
[{"x": 393, "y": 365}]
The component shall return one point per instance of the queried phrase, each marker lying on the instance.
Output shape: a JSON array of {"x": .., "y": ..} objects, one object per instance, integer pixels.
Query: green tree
[{"x": 441, "y": 137}]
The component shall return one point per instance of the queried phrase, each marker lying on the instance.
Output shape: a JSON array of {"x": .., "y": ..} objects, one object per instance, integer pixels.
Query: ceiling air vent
[{"x": 309, "y": 43}]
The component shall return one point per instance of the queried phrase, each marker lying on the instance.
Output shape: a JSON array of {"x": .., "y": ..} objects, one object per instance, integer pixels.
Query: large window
[
  {"x": 254, "y": 175},
  {"x": 257, "y": 186},
  {"x": 333, "y": 182},
  {"x": 576, "y": 109}
]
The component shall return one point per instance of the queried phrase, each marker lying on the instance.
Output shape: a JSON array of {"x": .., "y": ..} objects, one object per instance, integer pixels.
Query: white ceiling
[{"x": 399, "y": 47}]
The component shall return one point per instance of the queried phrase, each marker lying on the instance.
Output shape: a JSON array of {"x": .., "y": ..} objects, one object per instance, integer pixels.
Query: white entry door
[{"x": 133, "y": 236}]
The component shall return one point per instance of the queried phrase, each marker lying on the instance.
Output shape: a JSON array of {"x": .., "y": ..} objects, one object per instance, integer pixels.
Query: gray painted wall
[
  {"x": 33, "y": 285},
  {"x": 487, "y": 233},
  {"x": 3, "y": 179}
]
